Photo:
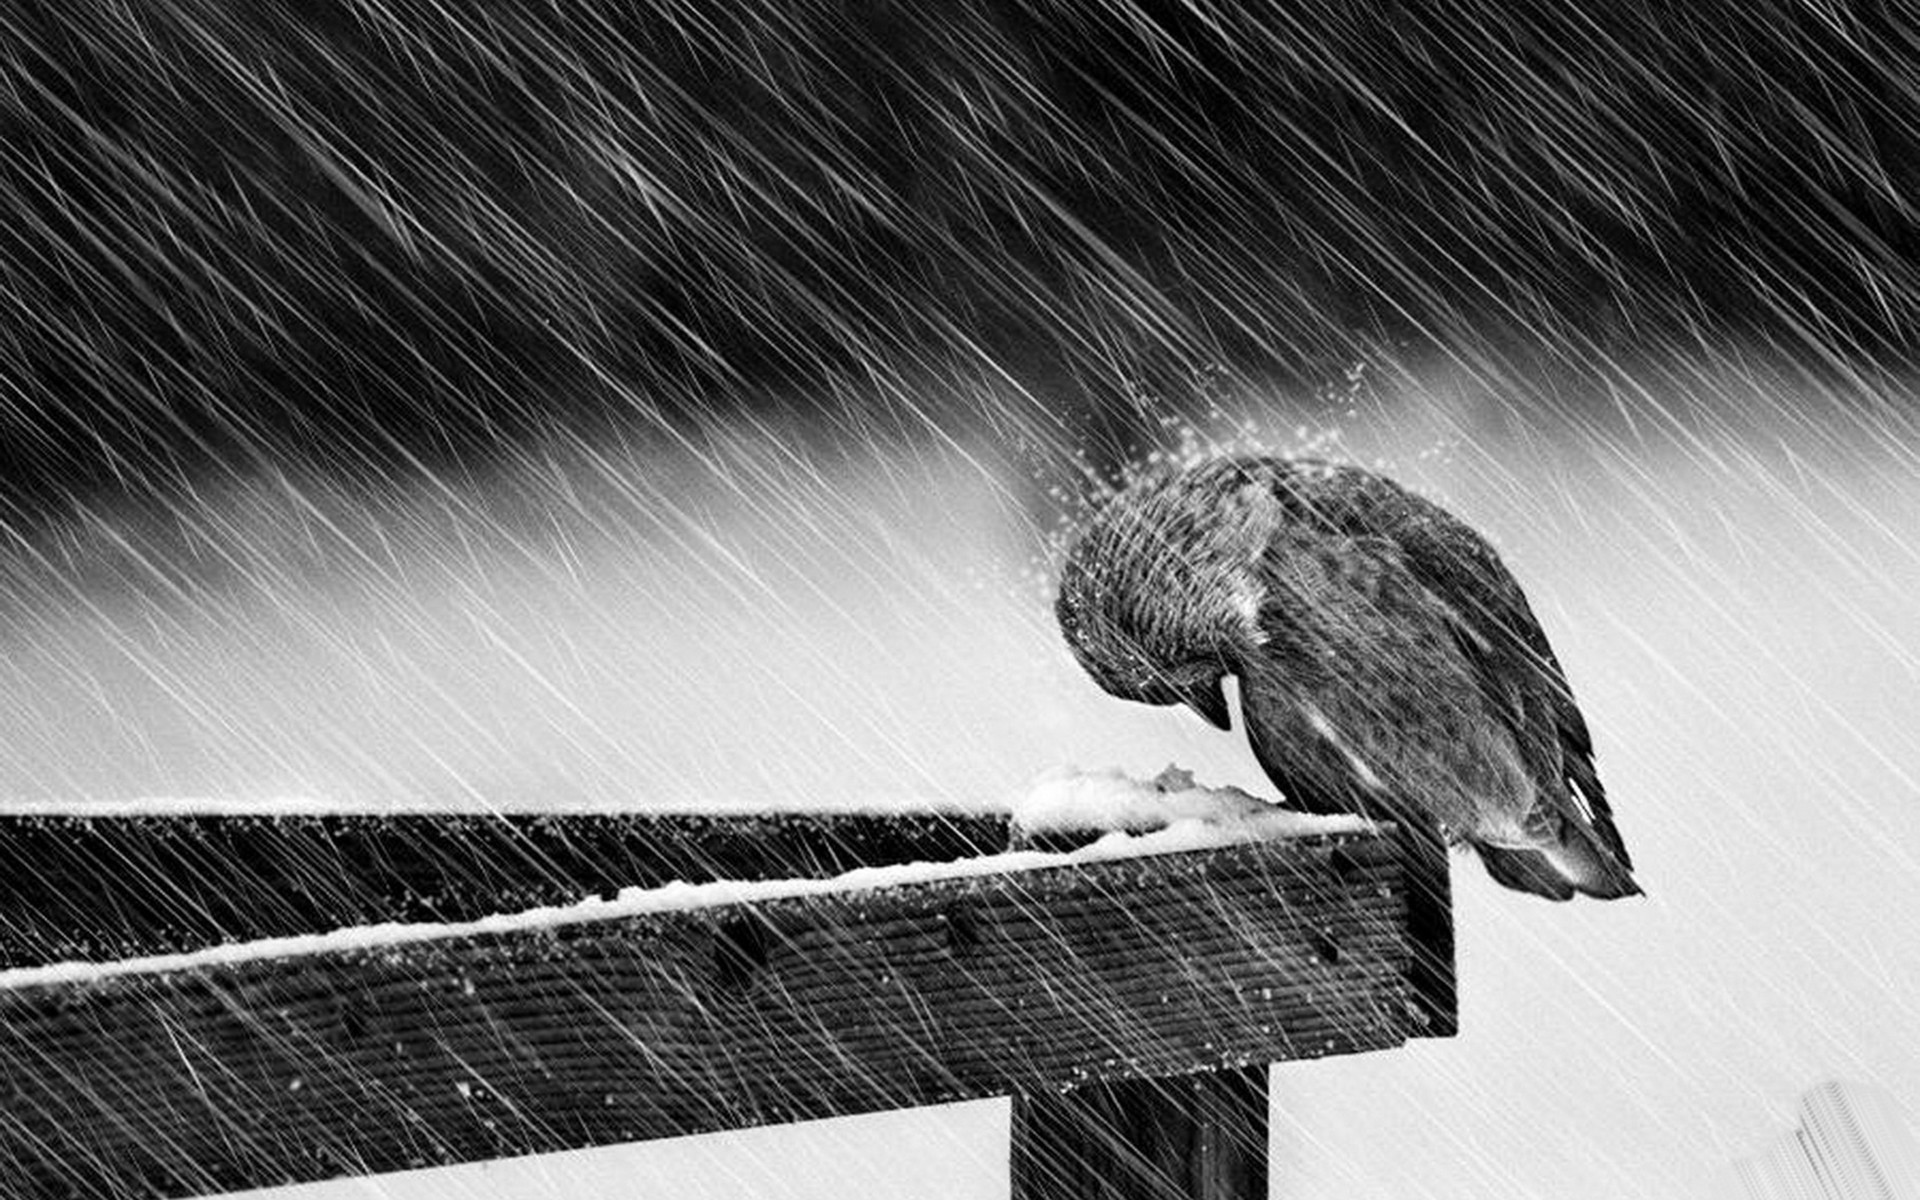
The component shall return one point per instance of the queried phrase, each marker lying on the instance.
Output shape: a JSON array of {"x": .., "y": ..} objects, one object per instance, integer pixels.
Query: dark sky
[{"x": 388, "y": 236}]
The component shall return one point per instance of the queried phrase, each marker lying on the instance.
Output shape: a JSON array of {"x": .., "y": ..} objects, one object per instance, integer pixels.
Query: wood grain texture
[
  {"x": 1205, "y": 1137},
  {"x": 623, "y": 1029},
  {"x": 95, "y": 888},
  {"x": 1424, "y": 856},
  {"x": 1195, "y": 1137}
]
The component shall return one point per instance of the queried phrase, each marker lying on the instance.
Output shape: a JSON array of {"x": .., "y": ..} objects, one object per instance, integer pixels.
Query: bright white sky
[{"x": 1731, "y": 593}]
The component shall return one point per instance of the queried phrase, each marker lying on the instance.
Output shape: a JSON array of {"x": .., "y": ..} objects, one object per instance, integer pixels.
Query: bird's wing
[{"x": 1494, "y": 627}]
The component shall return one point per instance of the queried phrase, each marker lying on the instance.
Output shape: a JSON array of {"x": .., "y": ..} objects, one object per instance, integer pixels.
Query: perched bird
[{"x": 1388, "y": 664}]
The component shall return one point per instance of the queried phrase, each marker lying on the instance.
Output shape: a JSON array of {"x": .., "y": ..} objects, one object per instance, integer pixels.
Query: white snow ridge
[{"x": 1165, "y": 815}]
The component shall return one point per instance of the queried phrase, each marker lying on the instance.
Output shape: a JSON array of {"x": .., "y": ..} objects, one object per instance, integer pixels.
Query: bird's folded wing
[{"x": 1494, "y": 627}]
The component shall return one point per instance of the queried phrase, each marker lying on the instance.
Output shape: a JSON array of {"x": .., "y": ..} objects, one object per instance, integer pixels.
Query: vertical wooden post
[{"x": 1194, "y": 1137}]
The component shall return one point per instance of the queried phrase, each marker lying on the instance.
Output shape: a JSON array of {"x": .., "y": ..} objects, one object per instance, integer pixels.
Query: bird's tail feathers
[
  {"x": 1583, "y": 858},
  {"x": 1572, "y": 859}
]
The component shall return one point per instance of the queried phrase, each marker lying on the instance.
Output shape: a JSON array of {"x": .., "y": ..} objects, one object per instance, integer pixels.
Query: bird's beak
[{"x": 1209, "y": 699}]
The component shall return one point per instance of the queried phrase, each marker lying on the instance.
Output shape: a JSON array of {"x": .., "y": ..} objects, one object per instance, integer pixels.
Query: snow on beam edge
[{"x": 94, "y": 880}]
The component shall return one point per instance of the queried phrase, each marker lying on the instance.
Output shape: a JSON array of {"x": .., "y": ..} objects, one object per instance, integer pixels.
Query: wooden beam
[
  {"x": 83, "y": 887},
  {"x": 285, "y": 1069}
]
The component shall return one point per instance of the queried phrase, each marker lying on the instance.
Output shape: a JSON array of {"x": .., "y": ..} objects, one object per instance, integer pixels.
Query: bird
[{"x": 1387, "y": 662}]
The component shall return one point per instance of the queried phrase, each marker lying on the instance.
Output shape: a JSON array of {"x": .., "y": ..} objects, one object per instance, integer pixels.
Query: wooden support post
[
  {"x": 1194, "y": 1137},
  {"x": 1204, "y": 1137}
]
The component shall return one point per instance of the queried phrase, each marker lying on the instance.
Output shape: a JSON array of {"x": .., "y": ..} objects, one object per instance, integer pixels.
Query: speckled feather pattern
[{"x": 1389, "y": 663}]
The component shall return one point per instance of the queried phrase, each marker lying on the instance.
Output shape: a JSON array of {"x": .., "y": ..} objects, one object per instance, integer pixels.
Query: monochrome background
[{"x": 664, "y": 406}]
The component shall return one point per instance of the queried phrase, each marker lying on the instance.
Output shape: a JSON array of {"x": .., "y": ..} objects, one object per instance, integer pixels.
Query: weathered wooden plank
[
  {"x": 655, "y": 1025},
  {"x": 105, "y": 887}
]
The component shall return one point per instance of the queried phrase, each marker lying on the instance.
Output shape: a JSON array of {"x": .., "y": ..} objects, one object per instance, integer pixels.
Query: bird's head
[{"x": 1158, "y": 599}]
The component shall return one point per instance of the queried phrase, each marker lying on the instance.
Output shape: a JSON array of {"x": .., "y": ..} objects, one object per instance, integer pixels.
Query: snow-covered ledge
[{"x": 1190, "y": 930}]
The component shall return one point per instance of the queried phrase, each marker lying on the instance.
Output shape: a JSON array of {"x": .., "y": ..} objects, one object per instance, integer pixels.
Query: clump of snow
[{"x": 1067, "y": 800}]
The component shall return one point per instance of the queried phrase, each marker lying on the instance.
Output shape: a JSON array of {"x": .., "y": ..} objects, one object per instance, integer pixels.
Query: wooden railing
[{"x": 1129, "y": 1004}]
